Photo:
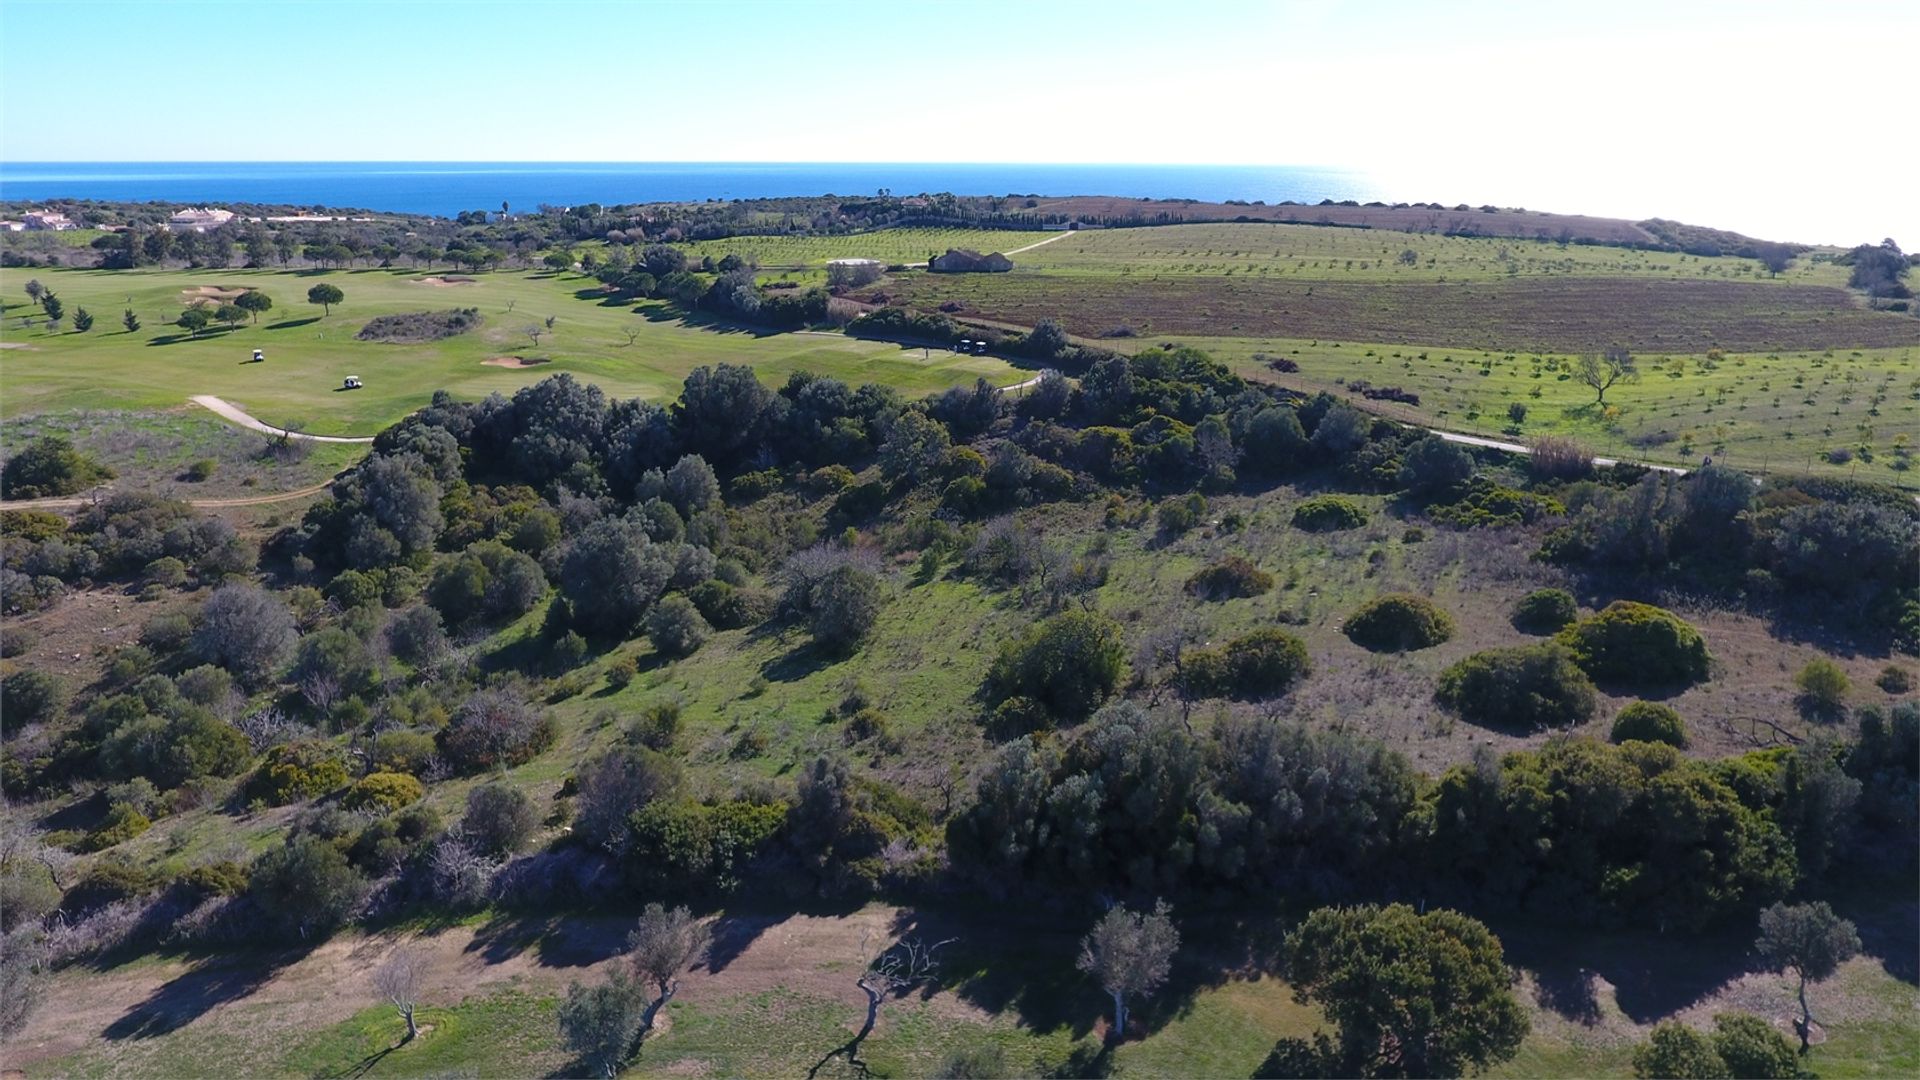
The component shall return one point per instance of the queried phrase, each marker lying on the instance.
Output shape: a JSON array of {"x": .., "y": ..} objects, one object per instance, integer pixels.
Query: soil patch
[
  {"x": 14, "y": 345},
  {"x": 450, "y": 279},
  {"x": 516, "y": 361},
  {"x": 416, "y": 327}
]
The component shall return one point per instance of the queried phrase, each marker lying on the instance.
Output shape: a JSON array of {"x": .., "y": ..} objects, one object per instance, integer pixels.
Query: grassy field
[
  {"x": 911, "y": 246},
  {"x": 1761, "y": 411},
  {"x": 155, "y": 450},
  {"x": 308, "y": 353}
]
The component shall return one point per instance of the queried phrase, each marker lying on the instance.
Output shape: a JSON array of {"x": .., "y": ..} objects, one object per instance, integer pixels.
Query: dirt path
[
  {"x": 204, "y": 504},
  {"x": 239, "y": 416},
  {"x": 1040, "y": 243},
  {"x": 1519, "y": 448}
]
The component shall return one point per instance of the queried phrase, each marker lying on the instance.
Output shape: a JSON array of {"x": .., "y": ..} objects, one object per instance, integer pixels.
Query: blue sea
[{"x": 446, "y": 188}]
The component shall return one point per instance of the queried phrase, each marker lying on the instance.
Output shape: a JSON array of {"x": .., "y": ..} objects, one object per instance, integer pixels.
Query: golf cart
[{"x": 352, "y": 383}]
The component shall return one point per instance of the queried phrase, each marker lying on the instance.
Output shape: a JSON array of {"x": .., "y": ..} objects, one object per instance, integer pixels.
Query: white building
[
  {"x": 48, "y": 221},
  {"x": 12, "y": 226},
  {"x": 198, "y": 219}
]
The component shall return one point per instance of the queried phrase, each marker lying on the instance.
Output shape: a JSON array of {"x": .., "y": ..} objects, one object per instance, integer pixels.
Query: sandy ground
[
  {"x": 443, "y": 282},
  {"x": 514, "y": 361},
  {"x": 202, "y": 293}
]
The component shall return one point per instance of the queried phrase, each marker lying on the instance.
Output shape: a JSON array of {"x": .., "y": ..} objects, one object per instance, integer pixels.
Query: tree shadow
[
  {"x": 187, "y": 997},
  {"x": 734, "y": 934},
  {"x": 555, "y": 941},
  {"x": 209, "y": 334},
  {"x": 364, "y": 1065},
  {"x": 799, "y": 662},
  {"x": 1653, "y": 975},
  {"x": 289, "y": 324}
]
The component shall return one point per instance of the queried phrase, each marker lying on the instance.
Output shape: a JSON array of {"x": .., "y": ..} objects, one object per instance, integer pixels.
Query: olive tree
[
  {"x": 598, "y": 1022},
  {"x": 1131, "y": 953},
  {"x": 246, "y": 630},
  {"x": 399, "y": 979},
  {"x": 1810, "y": 941},
  {"x": 660, "y": 948}
]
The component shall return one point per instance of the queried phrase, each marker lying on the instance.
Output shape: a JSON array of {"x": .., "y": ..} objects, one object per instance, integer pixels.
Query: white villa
[
  {"x": 47, "y": 221},
  {"x": 198, "y": 219}
]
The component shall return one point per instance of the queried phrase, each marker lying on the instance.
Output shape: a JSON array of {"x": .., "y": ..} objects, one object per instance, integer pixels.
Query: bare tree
[
  {"x": 533, "y": 332},
  {"x": 1600, "y": 373},
  {"x": 322, "y": 691},
  {"x": 904, "y": 965},
  {"x": 631, "y": 333},
  {"x": 399, "y": 980},
  {"x": 663, "y": 945},
  {"x": 1130, "y": 953},
  {"x": 1167, "y": 646}
]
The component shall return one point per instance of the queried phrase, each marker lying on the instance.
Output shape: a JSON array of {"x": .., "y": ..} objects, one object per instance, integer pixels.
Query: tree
[
  {"x": 1131, "y": 953},
  {"x": 306, "y": 882},
  {"x": 253, "y": 301},
  {"x": 904, "y": 965},
  {"x": 675, "y": 626},
  {"x": 231, "y": 314},
  {"x": 35, "y": 290},
  {"x": 326, "y": 296},
  {"x": 1433, "y": 467},
  {"x": 47, "y": 467},
  {"x": 663, "y": 945},
  {"x": 1741, "y": 1047},
  {"x": 843, "y": 605},
  {"x": 246, "y": 630},
  {"x": 54, "y": 308},
  {"x": 1600, "y": 373},
  {"x": 1411, "y": 994},
  {"x": 1048, "y": 340},
  {"x": 193, "y": 320},
  {"x": 599, "y": 1022},
  {"x": 130, "y": 321},
  {"x": 82, "y": 320},
  {"x": 1810, "y": 941},
  {"x": 399, "y": 979},
  {"x": 915, "y": 446}
]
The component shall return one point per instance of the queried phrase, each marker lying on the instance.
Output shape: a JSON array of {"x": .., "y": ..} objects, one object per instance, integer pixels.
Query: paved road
[{"x": 239, "y": 416}]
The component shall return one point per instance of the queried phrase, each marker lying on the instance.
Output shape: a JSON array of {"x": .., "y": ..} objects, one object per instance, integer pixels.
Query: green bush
[
  {"x": 165, "y": 570},
  {"x": 1329, "y": 513},
  {"x": 621, "y": 670},
  {"x": 384, "y": 792},
  {"x": 31, "y": 697},
  {"x": 1545, "y": 611},
  {"x": 202, "y": 470},
  {"x": 1489, "y": 505},
  {"x": 725, "y": 606},
  {"x": 1638, "y": 644},
  {"x": 123, "y": 822},
  {"x": 298, "y": 770},
  {"x": 1521, "y": 688},
  {"x": 167, "y": 633},
  {"x": 1068, "y": 663},
  {"x": 675, "y": 626},
  {"x": 49, "y": 467},
  {"x": 1823, "y": 686},
  {"x": 1261, "y": 664},
  {"x": 1398, "y": 622},
  {"x": 656, "y": 725},
  {"x": 403, "y": 751},
  {"x": 1646, "y": 721},
  {"x": 1894, "y": 679},
  {"x": 1229, "y": 578},
  {"x": 16, "y": 640}
]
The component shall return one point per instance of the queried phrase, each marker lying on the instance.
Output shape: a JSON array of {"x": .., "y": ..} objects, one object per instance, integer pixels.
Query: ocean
[{"x": 446, "y": 188}]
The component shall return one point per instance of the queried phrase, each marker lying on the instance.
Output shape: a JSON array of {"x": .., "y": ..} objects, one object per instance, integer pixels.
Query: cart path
[
  {"x": 239, "y": 416},
  {"x": 75, "y": 502},
  {"x": 1064, "y": 233}
]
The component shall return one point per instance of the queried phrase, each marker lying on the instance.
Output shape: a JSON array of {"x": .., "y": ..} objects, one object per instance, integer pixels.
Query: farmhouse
[
  {"x": 962, "y": 261},
  {"x": 12, "y": 226},
  {"x": 48, "y": 221},
  {"x": 198, "y": 219}
]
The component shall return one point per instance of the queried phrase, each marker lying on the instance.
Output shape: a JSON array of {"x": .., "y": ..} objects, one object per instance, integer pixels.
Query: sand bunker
[
  {"x": 515, "y": 361},
  {"x": 201, "y": 294},
  {"x": 14, "y": 345},
  {"x": 443, "y": 281}
]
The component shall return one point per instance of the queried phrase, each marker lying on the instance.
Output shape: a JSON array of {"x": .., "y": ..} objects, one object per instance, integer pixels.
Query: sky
[{"x": 1716, "y": 112}]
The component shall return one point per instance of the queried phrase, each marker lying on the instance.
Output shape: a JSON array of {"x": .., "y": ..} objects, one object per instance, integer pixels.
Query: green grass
[
  {"x": 1308, "y": 252},
  {"x": 910, "y": 246},
  {"x": 508, "y": 1034},
  {"x": 308, "y": 354},
  {"x": 1762, "y": 411}
]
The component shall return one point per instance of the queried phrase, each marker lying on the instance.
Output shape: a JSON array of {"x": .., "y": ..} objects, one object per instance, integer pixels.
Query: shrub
[
  {"x": 298, "y": 770},
  {"x": 495, "y": 729},
  {"x": 165, "y": 570},
  {"x": 1823, "y": 685},
  {"x": 499, "y": 821},
  {"x": 656, "y": 725},
  {"x": 246, "y": 630},
  {"x": 1432, "y": 467},
  {"x": 1638, "y": 644},
  {"x": 1176, "y": 517},
  {"x": 1254, "y": 666},
  {"x": 1545, "y": 611},
  {"x": 1555, "y": 457},
  {"x": 16, "y": 640},
  {"x": 30, "y": 697},
  {"x": 306, "y": 883},
  {"x": 403, "y": 751},
  {"x": 1233, "y": 576},
  {"x": 1328, "y": 513},
  {"x": 202, "y": 470},
  {"x": 384, "y": 792},
  {"x": 1398, "y": 622},
  {"x": 123, "y": 822},
  {"x": 621, "y": 671},
  {"x": 843, "y": 605},
  {"x": 1069, "y": 663},
  {"x": 1894, "y": 679},
  {"x": 1646, "y": 721},
  {"x": 725, "y": 606},
  {"x": 416, "y": 327},
  {"x": 1522, "y": 688},
  {"x": 49, "y": 467},
  {"x": 167, "y": 633},
  {"x": 416, "y": 635},
  {"x": 675, "y": 627}
]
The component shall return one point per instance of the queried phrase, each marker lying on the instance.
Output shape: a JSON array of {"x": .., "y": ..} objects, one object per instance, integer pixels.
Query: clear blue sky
[{"x": 1617, "y": 102}]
